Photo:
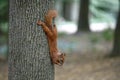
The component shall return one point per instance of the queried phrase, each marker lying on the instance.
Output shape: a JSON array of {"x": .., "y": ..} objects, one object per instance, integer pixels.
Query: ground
[
  {"x": 87, "y": 67},
  {"x": 3, "y": 70},
  {"x": 87, "y": 58},
  {"x": 81, "y": 67}
]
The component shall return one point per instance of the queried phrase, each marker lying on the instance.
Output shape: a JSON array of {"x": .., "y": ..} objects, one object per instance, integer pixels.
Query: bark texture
[
  {"x": 29, "y": 57},
  {"x": 83, "y": 22}
]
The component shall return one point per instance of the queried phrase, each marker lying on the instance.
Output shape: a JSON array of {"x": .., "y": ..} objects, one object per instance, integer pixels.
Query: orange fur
[{"x": 51, "y": 32}]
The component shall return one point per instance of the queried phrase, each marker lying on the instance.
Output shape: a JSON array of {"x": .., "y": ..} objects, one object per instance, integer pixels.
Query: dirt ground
[
  {"x": 3, "y": 70},
  {"x": 87, "y": 67}
]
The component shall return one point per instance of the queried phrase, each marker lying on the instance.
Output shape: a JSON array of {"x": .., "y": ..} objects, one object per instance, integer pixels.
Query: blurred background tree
[
  {"x": 67, "y": 4},
  {"x": 91, "y": 12},
  {"x": 116, "y": 46},
  {"x": 83, "y": 22}
]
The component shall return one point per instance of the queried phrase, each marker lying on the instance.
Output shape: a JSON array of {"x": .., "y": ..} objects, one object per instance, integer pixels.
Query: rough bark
[
  {"x": 116, "y": 46},
  {"x": 83, "y": 22},
  {"x": 29, "y": 57}
]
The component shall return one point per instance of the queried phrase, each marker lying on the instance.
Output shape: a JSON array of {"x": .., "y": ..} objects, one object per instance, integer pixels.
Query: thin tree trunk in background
[
  {"x": 29, "y": 57},
  {"x": 67, "y": 10},
  {"x": 83, "y": 22},
  {"x": 116, "y": 46}
]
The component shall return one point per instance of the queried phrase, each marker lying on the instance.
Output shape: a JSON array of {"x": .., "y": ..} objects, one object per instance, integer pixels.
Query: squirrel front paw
[{"x": 58, "y": 58}]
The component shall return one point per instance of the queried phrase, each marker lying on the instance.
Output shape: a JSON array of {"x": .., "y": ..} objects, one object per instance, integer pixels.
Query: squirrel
[{"x": 51, "y": 32}]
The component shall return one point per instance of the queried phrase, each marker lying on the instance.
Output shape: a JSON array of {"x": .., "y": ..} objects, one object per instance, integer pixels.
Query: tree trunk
[
  {"x": 83, "y": 22},
  {"x": 116, "y": 46},
  {"x": 29, "y": 57},
  {"x": 67, "y": 10}
]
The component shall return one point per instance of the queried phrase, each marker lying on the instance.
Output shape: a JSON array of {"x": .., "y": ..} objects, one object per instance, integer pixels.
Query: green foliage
[
  {"x": 105, "y": 5},
  {"x": 107, "y": 34},
  {"x": 68, "y": 1},
  {"x": 61, "y": 34},
  {"x": 3, "y": 33},
  {"x": 4, "y": 28},
  {"x": 94, "y": 39},
  {"x": 104, "y": 10},
  {"x": 3, "y": 10}
]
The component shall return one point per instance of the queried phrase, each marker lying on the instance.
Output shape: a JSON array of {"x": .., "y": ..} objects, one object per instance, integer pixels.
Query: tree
[
  {"x": 29, "y": 57},
  {"x": 83, "y": 22},
  {"x": 67, "y": 4},
  {"x": 116, "y": 46}
]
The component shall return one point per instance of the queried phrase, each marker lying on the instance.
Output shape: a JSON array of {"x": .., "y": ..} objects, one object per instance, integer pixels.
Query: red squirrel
[{"x": 51, "y": 32}]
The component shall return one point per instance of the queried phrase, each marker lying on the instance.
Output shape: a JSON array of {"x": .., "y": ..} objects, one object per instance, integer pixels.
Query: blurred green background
[
  {"x": 3, "y": 27},
  {"x": 102, "y": 18}
]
